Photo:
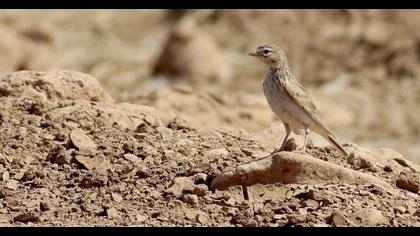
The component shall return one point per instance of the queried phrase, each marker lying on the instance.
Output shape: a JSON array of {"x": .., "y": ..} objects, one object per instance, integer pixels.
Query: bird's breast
[{"x": 282, "y": 105}]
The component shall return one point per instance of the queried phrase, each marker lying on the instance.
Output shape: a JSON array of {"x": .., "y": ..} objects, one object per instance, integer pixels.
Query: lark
[{"x": 289, "y": 100}]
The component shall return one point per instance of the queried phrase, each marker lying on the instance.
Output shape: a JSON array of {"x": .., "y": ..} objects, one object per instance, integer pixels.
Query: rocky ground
[{"x": 71, "y": 156}]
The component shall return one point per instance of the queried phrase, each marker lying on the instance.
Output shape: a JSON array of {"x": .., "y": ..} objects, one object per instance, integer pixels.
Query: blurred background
[{"x": 361, "y": 67}]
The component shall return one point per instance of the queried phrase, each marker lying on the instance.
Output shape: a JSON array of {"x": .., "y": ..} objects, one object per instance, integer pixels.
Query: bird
[{"x": 289, "y": 100}]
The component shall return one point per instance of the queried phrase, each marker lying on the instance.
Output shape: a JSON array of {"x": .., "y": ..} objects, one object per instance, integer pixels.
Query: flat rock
[
  {"x": 340, "y": 219},
  {"x": 133, "y": 159},
  {"x": 112, "y": 213},
  {"x": 97, "y": 162},
  {"x": 289, "y": 167},
  {"x": 370, "y": 217},
  {"x": 12, "y": 184},
  {"x": 179, "y": 185},
  {"x": 82, "y": 141}
]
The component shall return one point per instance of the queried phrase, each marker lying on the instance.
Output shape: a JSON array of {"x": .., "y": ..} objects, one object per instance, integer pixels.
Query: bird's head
[{"x": 270, "y": 54}]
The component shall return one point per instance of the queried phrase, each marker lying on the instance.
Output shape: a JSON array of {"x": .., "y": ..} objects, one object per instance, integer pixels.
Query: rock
[
  {"x": 4, "y": 220},
  {"x": 312, "y": 204},
  {"x": 141, "y": 218},
  {"x": 55, "y": 85},
  {"x": 165, "y": 133},
  {"x": 216, "y": 153},
  {"x": 5, "y": 176},
  {"x": 190, "y": 199},
  {"x": 340, "y": 219},
  {"x": 19, "y": 175},
  {"x": 98, "y": 162},
  {"x": 29, "y": 175},
  {"x": 81, "y": 141},
  {"x": 12, "y": 184},
  {"x": 358, "y": 162},
  {"x": 112, "y": 213},
  {"x": 296, "y": 218},
  {"x": 59, "y": 155},
  {"x": 94, "y": 180},
  {"x": 116, "y": 197},
  {"x": 200, "y": 178},
  {"x": 399, "y": 209},
  {"x": 202, "y": 219},
  {"x": 382, "y": 157},
  {"x": 179, "y": 185},
  {"x": 133, "y": 159},
  {"x": 369, "y": 217},
  {"x": 252, "y": 223},
  {"x": 200, "y": 190},
  {"x": 44, "y": 206},
  {"x": 408, "y": 181},
  {"x": 27, "y": 217},
  {"x": 288, "y": 167},
  {"x": 94, "y": 209}
]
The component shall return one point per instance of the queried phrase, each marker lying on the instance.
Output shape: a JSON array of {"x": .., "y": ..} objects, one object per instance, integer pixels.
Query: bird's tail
[{"x": 334, "y": 142}]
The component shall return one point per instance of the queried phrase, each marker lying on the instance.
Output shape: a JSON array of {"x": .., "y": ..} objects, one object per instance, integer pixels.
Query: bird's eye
[{"x": 266, "y": 51}]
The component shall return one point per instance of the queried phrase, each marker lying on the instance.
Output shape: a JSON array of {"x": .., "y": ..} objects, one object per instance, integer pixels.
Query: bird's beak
[{"x": 254, "y": 54}]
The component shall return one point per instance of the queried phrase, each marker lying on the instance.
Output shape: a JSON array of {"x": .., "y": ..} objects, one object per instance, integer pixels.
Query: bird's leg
[
  {"x": 288, "y": 130},
  {"x": 306, "y": 139}
]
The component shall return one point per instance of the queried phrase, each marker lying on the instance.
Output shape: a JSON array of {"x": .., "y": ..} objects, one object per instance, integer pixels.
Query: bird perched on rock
[{"x": 288, "y": 99}]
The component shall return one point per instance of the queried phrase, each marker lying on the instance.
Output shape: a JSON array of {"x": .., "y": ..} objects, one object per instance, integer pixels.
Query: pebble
[
  {"x": 400, "y": 209},
  {"x": 81, "y": 141},
  {"x": 12, "y": 184},
  {"x": 116, "y": 197},
  {"x": 112, "y": 213},
  {"x": 190, "y": 199},
  {"x": 201, "y": 218}
]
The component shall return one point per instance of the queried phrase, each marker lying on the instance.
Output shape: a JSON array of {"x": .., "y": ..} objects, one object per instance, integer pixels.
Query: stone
[
  {"x": 97, "y": 162},
  {"x": 141, "y": 218},
  {"x": 179, "y": 185},
  {"x": 81, "y": 141},
  {"x": 252, "y": 223},
  {"x": 220, "y": 152},
  {"x": 201, "y": 218},
  {"x": 190, "y": 199},
  {"x": 116, "y": 197},
  {"x": 12, "y": 184},
  {"x": 200, "y": 178},
  {"x": 200, "y": 190},
  {"x": 339, "y": 219},
  {"x": 296, "y": 218},
  {"x": 369, "y": 217},
  {"x": 399, "y": 209},
  {"x": 5, "y": 176},
  {"x": 133, "y": 159},
  {"x": 112, "y": 213},
  {"x": 165, "y": 133},
  {"x": 27, "y": 217}
]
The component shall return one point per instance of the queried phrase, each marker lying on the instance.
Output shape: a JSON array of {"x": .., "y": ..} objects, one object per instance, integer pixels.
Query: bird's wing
[{"x": 298, "y": 94}]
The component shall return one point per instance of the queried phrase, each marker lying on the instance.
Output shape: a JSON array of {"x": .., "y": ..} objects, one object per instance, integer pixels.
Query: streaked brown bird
[{"x": 289, "y": 100}]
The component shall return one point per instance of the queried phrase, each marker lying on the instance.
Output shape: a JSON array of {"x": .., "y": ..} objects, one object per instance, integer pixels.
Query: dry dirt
[{"x": 71, "y": 156}]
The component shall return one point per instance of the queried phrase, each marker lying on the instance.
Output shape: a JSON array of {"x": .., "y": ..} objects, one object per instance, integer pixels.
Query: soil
[{"x": 87, "y": 161}]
